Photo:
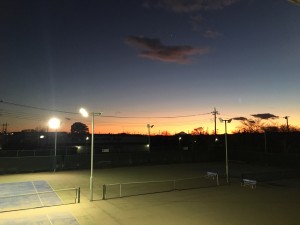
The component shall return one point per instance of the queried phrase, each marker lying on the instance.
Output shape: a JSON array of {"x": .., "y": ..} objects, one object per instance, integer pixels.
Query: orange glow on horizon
[{"x": 108, "y": 125}]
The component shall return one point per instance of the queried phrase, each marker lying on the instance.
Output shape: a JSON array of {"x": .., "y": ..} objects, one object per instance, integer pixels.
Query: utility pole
[
  {"x": 4, "y": 128},
  {"x": 287, "y": 123},
  {"x": 215, "y": 113}
]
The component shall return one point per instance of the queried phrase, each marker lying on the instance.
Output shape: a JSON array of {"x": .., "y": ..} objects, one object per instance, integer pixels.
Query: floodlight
[
  {"x": 54, "y": 123},
  {"x": 83, "y": 112}
]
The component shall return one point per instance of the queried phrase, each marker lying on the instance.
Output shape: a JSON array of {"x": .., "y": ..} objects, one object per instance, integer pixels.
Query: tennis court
[
  {"x": 272, "y": 202},
  {"x": 17, "y": 196},
  {"x": 33, "y": 194}
]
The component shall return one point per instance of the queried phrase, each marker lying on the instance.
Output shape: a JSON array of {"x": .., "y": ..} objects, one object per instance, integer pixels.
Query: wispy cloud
[
  {"x": 193, "y": 9},
  {"x": 195, "y": 21},
  {"x": 188, "y": 6},
  {"x": 297, "y": 2},
  {"x": 211, "y": 34},
  {"x": 152, "y": 48},
  {"x": 265, "y": 116}
]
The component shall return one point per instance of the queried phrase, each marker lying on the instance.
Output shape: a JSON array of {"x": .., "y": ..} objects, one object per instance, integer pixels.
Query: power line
[
  {"x": 107, "y": 116},
  {"x": 156, "y": 117},
  {"x": 33, "y": 107}
]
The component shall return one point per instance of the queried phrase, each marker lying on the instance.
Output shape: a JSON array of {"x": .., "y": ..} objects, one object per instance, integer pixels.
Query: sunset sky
[{"x": 161, "y": 62}]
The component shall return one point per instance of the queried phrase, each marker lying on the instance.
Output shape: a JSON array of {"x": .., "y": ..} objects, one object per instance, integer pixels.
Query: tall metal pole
[
  {"x": 226, "y": 151},
  {"x": 215, "y": 112},
  {"x": 55, "y": 144},
  {"x": 92, "y": 159},
  {"x": 287, "y": 123},
  {"x": 148, "y": 125},
  {"x": 84, "y": 113},
  {"x": 54, "y": 123}
]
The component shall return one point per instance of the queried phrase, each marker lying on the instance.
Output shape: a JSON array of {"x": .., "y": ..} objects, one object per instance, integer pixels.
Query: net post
[
  {"x": 120, "y": 190},
  {"x": 77, "y": 195},
  {"x": 104, "y": 192}
]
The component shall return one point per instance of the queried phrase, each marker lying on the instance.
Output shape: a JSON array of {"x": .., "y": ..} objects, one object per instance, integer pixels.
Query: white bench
[
  {"x": 213, "y": 176},
  {"x": 248, "y": 182}
]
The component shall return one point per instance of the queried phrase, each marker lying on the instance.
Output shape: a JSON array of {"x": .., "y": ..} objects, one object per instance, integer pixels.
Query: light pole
[
  {"x": 149, "y": 126},
  {"x": 84, "y": 113},
  {"x": 287, "y": 123},
  {"x": 54, "y": 123},
  {"x": 226, "y": 121}
]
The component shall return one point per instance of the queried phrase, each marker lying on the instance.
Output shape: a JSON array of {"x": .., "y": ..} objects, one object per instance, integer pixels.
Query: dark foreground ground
[{"x": 273, "y": 202}]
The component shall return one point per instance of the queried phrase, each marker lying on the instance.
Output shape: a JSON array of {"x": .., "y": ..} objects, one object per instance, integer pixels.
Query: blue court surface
[
  {"x": 24, "y": 195},
  {"x": 29, "y": 195}
]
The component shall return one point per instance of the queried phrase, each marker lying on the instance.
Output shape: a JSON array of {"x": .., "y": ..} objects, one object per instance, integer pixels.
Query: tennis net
[
  {"x": 119, "y": 190},
  {"x": 272, "y": 175},
  {"x": 39, "y": 199}
]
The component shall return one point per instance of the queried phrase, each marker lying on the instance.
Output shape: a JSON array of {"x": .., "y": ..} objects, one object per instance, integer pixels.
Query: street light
[
  {"x": 226, "y": 121},
  {"x": 84, "y": 113},
  {"x": 287, "y": 123},
  {"x": 149, "y": 126},
  {"x": 54, "y": 123}
]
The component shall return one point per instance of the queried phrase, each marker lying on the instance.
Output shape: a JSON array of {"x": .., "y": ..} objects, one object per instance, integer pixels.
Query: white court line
[
  {"x": 37, "y": 193},
  {"x": 55, "y": 193},
  {"x": 49, "y": 219}
]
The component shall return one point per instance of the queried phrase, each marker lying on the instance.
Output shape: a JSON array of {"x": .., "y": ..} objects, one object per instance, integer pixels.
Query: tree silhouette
[
  {"x": 199, "y": 131},
  {"x": 257, "y": 125},
  {"x": 79, "y": 128},
  {"x": 251, "y": 126},
  {"x": 165, "y": 133}
]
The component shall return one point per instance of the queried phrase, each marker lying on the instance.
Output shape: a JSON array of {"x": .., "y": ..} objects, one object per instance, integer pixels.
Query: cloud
[
  {"x": 211, "y": 34},
  {"x": 195, "y": 21},
  {"x": 240, "y": 118},
  {"x": 297, "y": 2},
  {"x": 152, "y": 48},
  {"x": 189, "y": 6},
  {"x": 265, "y": 116}
]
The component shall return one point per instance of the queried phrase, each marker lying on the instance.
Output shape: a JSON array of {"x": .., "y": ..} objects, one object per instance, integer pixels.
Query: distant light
[
  {"x": 147, "y": 145},
  {"x": 216, "y": 140},
  {"x": 42, "y": 136},
  {"x": 83, "y": 112},
  {"x": 54, "y": 123},
  {"x": 87, "y": 138}
]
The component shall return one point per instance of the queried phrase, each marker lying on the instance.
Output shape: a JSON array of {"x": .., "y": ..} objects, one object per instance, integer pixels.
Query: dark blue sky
[{"x": 141, "y": 58}]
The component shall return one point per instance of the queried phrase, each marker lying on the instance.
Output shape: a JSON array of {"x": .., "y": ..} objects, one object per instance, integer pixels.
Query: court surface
[
  {"x": 28, "y": 195},
  {"x": 24, "y": 195},
  {"x": 273, "y": 202}
]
